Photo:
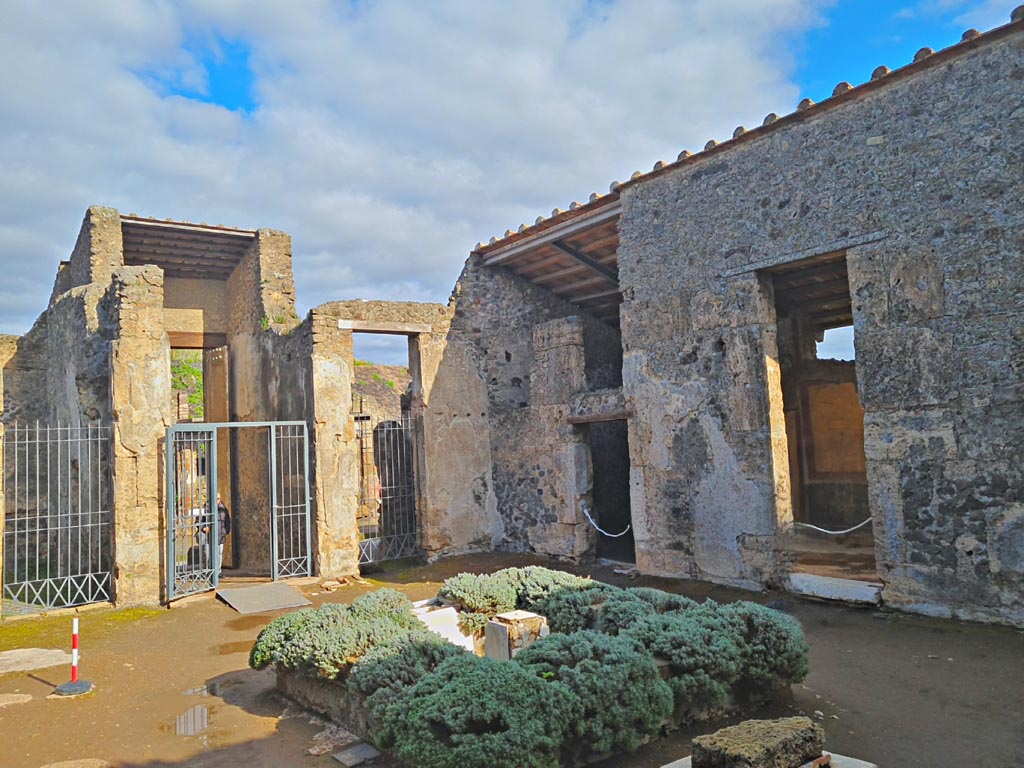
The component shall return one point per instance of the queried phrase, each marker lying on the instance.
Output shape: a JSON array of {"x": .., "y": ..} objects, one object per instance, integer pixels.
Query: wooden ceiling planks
[
  {"x": 182, "y": 250},
  {"x": 580, "y": 267}
]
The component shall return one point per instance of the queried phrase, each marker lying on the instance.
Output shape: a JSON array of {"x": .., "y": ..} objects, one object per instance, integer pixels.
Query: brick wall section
[{"x": 920, "y": 184}]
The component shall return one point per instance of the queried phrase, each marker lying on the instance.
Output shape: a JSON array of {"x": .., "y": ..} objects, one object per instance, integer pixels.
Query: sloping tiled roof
[{"x": 843, "y": 93}]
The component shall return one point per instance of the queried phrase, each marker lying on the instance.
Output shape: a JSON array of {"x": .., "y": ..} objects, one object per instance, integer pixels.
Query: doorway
[
  {"x": 282, "y": 527},
  {"x": 609, "y": 454},
  {"x": 832, "y": 533}
]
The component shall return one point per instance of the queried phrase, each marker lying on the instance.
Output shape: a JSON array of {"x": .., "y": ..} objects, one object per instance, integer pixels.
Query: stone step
[{"x": 831, "y": 588}]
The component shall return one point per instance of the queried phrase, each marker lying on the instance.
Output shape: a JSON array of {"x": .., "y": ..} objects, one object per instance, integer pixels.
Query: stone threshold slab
[
  {"x": 831, "y": 588},
  {"x": 838, "y": 761}
]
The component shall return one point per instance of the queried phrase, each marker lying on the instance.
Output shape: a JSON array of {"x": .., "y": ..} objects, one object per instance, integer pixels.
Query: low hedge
[
  {"x": 475, "y": 712},
  {"x": 592, "y": 687},
  {"x": 323, "y": 642},
  {"x": 619, "y": 699}
]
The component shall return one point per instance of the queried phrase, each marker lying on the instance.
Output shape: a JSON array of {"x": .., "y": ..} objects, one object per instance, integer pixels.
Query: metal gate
[
  {"x": 57, "y": 542},
  {"x": 387, "y": 490},
  {"x": 193, "y": 525}
]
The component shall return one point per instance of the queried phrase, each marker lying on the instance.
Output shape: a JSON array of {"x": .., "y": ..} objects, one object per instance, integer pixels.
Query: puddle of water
[
  {"x": 193, "y": 723},
  {"x": 248, "y": 622},
  {"x": 226, "y": 649}
]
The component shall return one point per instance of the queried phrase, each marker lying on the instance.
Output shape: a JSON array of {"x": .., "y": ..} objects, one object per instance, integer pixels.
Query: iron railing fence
[
  {"x": 58, "y": 521},
  {"x": 388, "y": 527}
]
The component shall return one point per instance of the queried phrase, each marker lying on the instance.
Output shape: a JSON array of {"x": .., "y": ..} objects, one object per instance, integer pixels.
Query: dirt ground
[{"x": 173, "y": 687}]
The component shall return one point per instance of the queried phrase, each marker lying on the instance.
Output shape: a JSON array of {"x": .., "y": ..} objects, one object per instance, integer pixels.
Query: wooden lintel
[
  {"x": 382, "y": 326},
  {"x": 196, "y": 340},
  {"x": 594, "y": 418}
]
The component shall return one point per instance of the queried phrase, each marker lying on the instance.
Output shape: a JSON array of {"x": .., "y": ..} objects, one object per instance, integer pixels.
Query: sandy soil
[{"x": 173, "y": 687}]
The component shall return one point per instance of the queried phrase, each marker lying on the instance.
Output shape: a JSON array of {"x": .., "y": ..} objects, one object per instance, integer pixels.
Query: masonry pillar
[
  {"x": 99, "y": 250},
  {"x": 559, "y": 372},
  {"x": 140, "y": 388},
  {"x": 336, "y": 450}
]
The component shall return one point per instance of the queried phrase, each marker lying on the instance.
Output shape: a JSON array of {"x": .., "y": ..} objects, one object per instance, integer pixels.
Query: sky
[{"x": 389, "y": 137}]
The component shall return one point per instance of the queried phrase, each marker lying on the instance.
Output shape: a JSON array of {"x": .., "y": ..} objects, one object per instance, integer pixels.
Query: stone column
[
  {"x": 140, "y": 388},
  {"x": 336, "y": 450}
]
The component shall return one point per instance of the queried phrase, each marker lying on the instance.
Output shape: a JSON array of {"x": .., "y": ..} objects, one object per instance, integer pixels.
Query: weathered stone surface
[
  {"x": 935, "y": 271},
  {"x": 786, "y": 743},
  {"x": 10, "y": 699},
  {"x": 27, "y": 659}
]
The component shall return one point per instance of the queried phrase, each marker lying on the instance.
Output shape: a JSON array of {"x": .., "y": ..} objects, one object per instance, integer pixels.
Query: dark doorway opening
[
  {"x": 832, "y": 534},
  {"x": 609, "y": 452}
]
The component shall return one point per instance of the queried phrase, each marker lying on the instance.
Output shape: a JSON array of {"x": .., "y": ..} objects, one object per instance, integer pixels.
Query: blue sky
[{"x": 389, "y": 137}]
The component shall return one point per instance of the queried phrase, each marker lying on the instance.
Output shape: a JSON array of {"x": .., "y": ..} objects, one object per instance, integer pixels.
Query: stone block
[
  {"x": 785, "y": 743},
  {"x": 518, "y": 629},
  {"x": 357, "y": 754}
]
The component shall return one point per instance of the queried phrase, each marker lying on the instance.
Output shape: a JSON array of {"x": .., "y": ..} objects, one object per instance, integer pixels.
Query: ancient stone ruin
[{"x": 644, "y": 362}]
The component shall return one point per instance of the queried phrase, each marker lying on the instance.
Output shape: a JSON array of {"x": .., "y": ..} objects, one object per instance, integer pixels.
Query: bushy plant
[
  {"x": 386, "y": 671},
  {"x": 620, "y": 698},
  {"x": 535, "y": 583},
  {"x": 702, "y": 647},
  {"x": 663, "y": 602},
  {"x": 276, "y": 636},
  {"x": 571, "y": 610},
  {"x": 773, "y": 648},
  {"x": 623, "y": 609},
  {"x": 324, "y": 641},
  {"x": 484, "y": 596},
  {"x": 475, "y": 713},
  {"x": 481, "y": 597}
]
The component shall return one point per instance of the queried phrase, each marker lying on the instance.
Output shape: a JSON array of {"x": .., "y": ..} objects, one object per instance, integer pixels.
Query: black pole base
[{"x": 74, "y": 689}]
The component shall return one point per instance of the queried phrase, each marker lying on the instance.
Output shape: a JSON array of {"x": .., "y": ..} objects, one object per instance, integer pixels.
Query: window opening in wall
[
  {"x": 824, "y": 419},
  {"x": 384, "y": 383},
  {"x": 836, "y": 344}
]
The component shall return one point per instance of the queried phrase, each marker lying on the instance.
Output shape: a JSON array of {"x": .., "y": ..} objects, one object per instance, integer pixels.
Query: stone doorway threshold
[{"x": 834, "y": 589}]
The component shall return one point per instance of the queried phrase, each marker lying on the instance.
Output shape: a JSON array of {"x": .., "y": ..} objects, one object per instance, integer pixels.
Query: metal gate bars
[
  {"x": 57, "y": 540},
  {"x": 387, "y": 488},
  {"x": 193, "y": 524}
]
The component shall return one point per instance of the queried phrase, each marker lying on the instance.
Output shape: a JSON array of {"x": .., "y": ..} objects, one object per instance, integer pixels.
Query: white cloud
[{"x": 387, "y": 138}]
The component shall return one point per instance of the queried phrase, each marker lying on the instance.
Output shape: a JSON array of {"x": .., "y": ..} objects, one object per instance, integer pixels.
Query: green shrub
[
  {"x": 486, "y": 595},
  {"x": 277, "y": 635},
  {"x": 620, "y": 697},
  {"x": 506, "y": 590},
  {"x": 773, "y": 649},
  {"x": 322, "y": 642},
  {"x": 663, "y": 602},
  {"x": 534, "y": 583},
  {"x": 572, "y": 610},
  {"x": 478, "y": 713},
  {"x": 384, "y": 672},
  {"x": 623, "y": 609},
  {"x": 702, "y": 646}
]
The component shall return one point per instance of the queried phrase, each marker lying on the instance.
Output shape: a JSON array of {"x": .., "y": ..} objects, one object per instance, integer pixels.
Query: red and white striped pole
[{"x": 76, "y": 687}]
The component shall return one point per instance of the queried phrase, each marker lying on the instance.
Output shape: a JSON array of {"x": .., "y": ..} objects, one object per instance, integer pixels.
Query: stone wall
[
  {"x": 534, "y": 352},
  {"x": 131, "y": 315},
  {"x": 919, "y": 184},
  {"x": 196, "y": 306}
]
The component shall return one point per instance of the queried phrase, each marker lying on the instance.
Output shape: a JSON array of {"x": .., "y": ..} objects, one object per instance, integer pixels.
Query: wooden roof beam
[{"x": 581, "y": 258}]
